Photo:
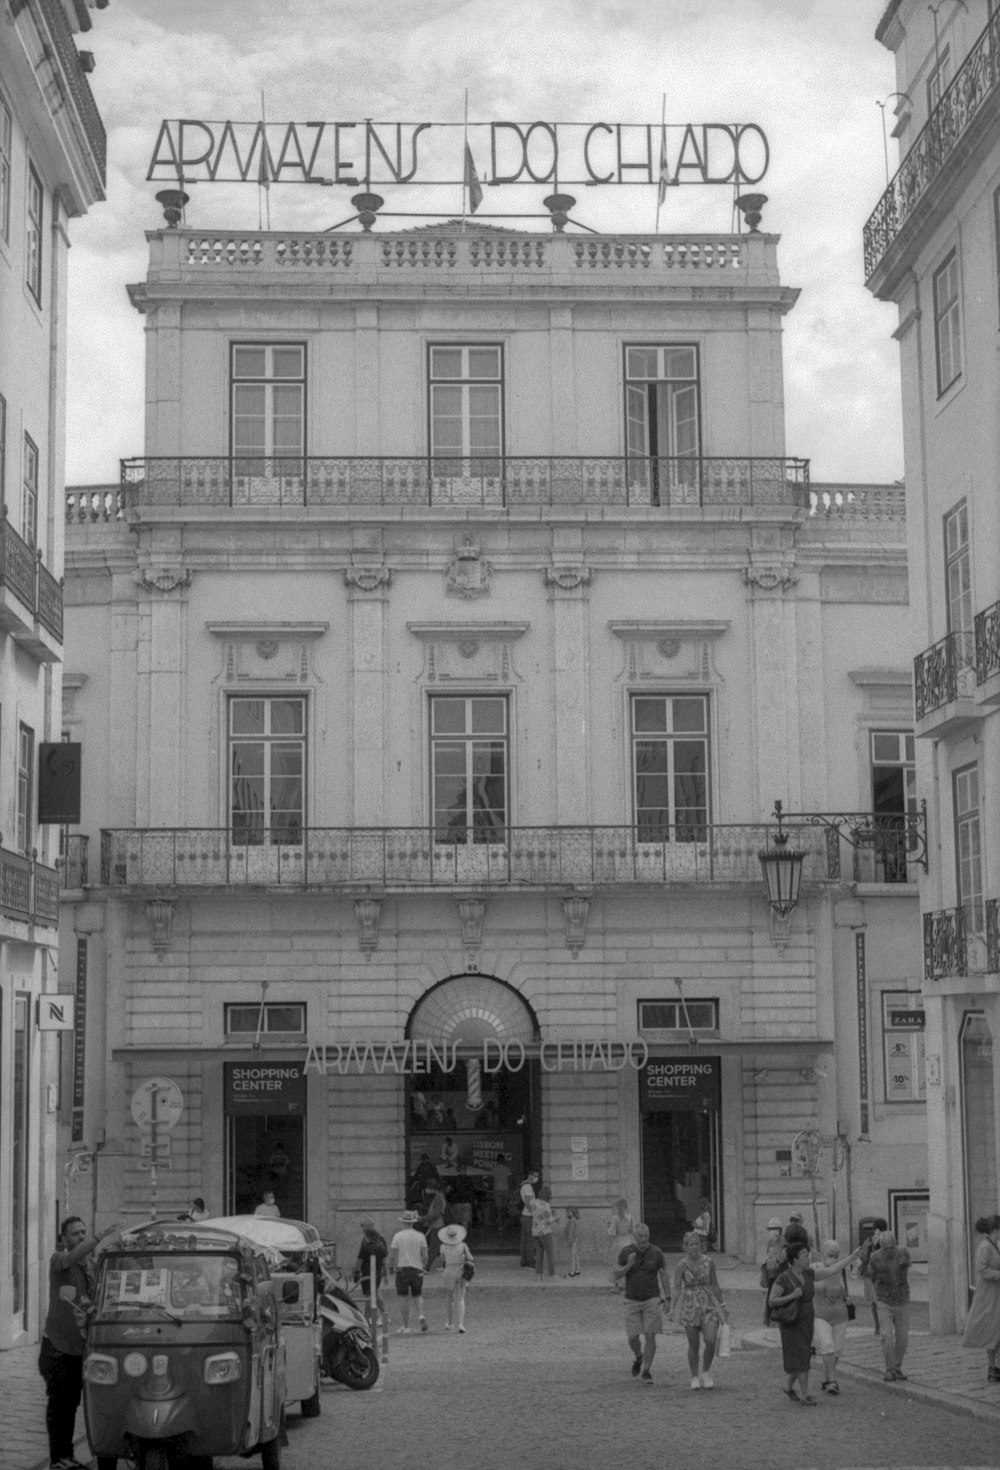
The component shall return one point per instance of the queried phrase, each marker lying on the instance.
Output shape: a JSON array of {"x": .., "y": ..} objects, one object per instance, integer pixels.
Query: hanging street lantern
[{"x": 782, "y": 869}]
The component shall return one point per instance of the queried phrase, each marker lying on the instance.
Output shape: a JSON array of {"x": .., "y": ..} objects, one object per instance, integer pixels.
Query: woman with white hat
[{"x": 456, "y": 1256}]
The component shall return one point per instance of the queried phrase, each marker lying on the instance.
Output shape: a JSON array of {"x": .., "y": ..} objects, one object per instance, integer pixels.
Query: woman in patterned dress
[{"x": 698, "y": 1307}]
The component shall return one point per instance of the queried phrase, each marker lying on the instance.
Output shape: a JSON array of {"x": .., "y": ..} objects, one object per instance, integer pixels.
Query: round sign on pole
[{"x": 158, "y": 1100}]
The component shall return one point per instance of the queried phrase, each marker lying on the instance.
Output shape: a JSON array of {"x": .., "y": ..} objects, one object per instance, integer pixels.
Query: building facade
[
  {"x": 51, "y": 168},
  {"x": 438, "y": 667},
  {"x": 933, "y": 246}
]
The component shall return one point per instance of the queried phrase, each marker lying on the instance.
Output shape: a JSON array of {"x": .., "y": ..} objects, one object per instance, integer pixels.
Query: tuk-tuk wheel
[
  {"x": 311, "y": 1406},
  {"x": 107, "y": 1462},
  {"x": 270, "y": 1454}
]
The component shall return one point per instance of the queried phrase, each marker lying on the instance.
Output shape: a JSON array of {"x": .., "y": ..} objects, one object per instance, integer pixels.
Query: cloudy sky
[{"x": 809, "y": 72}]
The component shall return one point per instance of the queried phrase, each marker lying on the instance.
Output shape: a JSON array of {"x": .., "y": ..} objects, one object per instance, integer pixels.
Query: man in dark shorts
[
  {"x": 60, "y": 1358},
  {"x": 644, "y": 1268},
  {"x": 408, "y": 1262}
]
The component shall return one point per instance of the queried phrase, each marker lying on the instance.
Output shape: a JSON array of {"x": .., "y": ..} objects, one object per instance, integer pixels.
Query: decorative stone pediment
[
  {"x": 468, "y": 650},
  {"x": 678, "y": 649},
  {"x": 272, "y": 651}
]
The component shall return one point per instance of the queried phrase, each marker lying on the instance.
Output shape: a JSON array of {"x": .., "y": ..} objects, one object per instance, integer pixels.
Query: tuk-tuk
[
  {"x": 293, "y": 1248},
  {"x": 184, "y": 1357}
]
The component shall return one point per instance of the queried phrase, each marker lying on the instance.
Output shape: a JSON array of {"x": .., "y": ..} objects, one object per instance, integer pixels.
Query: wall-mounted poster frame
[{"x": 908, "y": 1210}]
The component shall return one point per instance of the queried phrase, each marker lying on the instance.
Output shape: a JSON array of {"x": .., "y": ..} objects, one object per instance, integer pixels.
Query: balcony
[
  {"x": 30, "y": 597},
  {"x": 514, "y": 481},
  {"x": 845, "y": 847},
  {"x": 944, "y": 687},
  {"x": 964, "y": 119},
  {"x": 28, "y": 889},
  {"x": 987, "y": 634},
  {"x": 962, "y": 941}
]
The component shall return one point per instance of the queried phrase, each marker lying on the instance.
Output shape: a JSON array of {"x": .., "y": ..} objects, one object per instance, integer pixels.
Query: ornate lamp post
[{"x": 781, "y": 866}]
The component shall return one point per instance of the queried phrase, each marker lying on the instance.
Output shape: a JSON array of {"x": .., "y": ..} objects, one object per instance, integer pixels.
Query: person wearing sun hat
[
  {"x": 408, "y": 1262},
  {"x": 456, "y": 1255},
  {"x": 774, "y": 1261}
]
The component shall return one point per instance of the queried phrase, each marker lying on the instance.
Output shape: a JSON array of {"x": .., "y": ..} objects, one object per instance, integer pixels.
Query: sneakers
[
  {"x": 647, "y": 1378},
  {"x": 637, "y": 1367},
  {"x": 696, "y": 1382},
  {"x": 707, "y": 1381},
  {"x": 423, "y": 1325},
  {"x": 461, "y": 1329},
  {"x": 447, "y": 1327}
]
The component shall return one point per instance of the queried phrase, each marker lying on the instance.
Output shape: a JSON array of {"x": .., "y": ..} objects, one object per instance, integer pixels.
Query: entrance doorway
[
  {"x": 679, "y": 1105},
  {"x": 478, "y": 1155},
  {"x": 265, "y": 1106}
]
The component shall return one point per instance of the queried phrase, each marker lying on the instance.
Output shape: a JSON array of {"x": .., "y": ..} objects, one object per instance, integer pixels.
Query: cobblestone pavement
[{"x": 542, "y": 1375}]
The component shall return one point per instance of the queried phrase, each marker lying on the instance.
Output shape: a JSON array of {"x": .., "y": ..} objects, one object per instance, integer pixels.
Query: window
[
  {"x": 968, "y": 846},
  {"x": 894, "y": 798},
  {"x": 958, "y": 580},
  {"x": 661, "y": 420},
  {"x": 267, "y": 751},
  {"x": 903, "y": 1045},
  {"x": 6, "y": 150},
  {"x": 271, "y": 1019},
  {"x": 466, "y": 408},
  {"x": 937, "y": 81},
  {"x": 670, "y": 766},
  {"x": 947, "y": 326},
  {"x": 25, "y": 786},
  {"x": 268, "y": 391},
  {"x": 678, "y": 1015},
  {"x": 33, "y": 240},
  {"x": 29, "y": 500},
  {"x": 469, "y": 768}
]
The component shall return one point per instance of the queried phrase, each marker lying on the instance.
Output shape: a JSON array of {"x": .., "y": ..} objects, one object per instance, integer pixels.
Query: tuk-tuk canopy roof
[
  {"x": 263, "y": 1230},
  {"x": 174, "y": 1235}
]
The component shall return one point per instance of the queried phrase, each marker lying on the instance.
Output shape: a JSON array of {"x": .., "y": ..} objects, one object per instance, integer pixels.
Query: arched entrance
[{"x": 474, "y": 1124}]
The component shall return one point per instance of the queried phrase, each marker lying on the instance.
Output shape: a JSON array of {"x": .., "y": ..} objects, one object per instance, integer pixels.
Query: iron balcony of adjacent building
[
  {"x": 962, "y": 124},
  {"x": 31, "y": 600},
  {"x": 29, "y": 890},
  {"x": 987, "y": 635},
  {"x": 838, "y": 848},
  {"x": 962, "y": 941},
  {"x": 513, "y": 482},
  {"x": 944, "y": 687}
]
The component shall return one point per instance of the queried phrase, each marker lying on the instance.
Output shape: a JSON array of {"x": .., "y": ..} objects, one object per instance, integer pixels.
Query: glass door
[{"x": 679, "y": 1103}]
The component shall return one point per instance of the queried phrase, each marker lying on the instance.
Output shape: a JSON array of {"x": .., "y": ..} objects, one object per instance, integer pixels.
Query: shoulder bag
[
  {"x": 852, "y": 1310},
  {"x": 468, "y": 1269},
  {"x": 789, "y": 1312}
]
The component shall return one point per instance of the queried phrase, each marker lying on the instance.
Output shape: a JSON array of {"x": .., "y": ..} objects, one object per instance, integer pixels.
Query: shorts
[
  {"x": 645, "y": 1317},
  {"x": 829, "y": 1337},
  {"x": 409, "y": 1281}
]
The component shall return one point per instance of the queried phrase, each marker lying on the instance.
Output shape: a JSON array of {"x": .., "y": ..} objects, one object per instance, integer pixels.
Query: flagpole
[
  {"x": 663, "y": 155},
  {"x": 465, "y": 154}
]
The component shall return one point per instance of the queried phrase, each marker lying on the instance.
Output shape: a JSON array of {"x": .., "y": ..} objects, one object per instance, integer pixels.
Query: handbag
[
  {"x": 786, "y": 1314},
  {"x": 468, "y": 1271},
  {"x": 852, "y": 1310},
  {"x": 725, "y": 1341}
]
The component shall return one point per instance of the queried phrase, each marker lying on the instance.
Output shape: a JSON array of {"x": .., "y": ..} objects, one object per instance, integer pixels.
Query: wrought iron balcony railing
[
  {"x": 938, "y": 672},
  {"x": 882, "y": 850},
  {"x": 962, "y": 941},
  {"x": 987, "y": 643},
  {"x": 511, "y": 480},
  {"x": 28, "y": 889},
  {"x": 22, "y": 571},
  {"x": 973, "y": 85}
]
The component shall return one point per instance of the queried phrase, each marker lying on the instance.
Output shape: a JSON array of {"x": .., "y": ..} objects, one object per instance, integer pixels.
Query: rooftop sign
[{"x": 193, "y": 150}]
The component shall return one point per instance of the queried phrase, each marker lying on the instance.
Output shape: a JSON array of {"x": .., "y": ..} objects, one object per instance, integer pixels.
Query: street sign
[
  {"x": 162, "y": 1149},
  {"x": 158, "y": 1101},
  {"x": 56, "y": 1012}
]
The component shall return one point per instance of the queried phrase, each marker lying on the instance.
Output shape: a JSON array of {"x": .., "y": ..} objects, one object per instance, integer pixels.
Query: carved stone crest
[
  {"x": 768, "y": 578},
  {"x": 468, "y": 573},
  {"x": 367, "y": 579},
  {"x": 163, "y": 579},
  {"x": 567, "y": 579},
  {"x": 267, "y": 648}
]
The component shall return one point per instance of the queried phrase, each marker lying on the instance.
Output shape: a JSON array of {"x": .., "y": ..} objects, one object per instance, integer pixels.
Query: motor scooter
[{"x": 349, "y": 1353}]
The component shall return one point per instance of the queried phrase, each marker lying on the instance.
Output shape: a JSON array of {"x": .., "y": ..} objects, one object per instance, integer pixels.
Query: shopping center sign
[{"x": 195, "y": 150}]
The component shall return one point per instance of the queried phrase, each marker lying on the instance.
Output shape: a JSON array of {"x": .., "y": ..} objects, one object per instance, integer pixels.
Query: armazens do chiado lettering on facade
[{"x": 419, "y": 1057}]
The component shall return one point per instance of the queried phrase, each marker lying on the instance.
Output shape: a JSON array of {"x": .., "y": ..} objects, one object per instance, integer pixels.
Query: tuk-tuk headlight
[
  {"x": 99, "y": 1368},
  {"x": 223, "y": 1368},
  {"x": 134, "y": 1364}
]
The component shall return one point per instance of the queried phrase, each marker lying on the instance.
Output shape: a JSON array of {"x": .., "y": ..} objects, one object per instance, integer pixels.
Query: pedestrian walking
[
  {"x": 703, "y": 1224},
  {"x": 60, "y": 1357},
  {"x": 621, "y": 1232},
  {"x": 982, "y": 1325},
  {"x": 407, "y": 1262},
  {"x": 571, "y": 1235},
  {"x": 372, "y": 1248},
  {"x": 432, "y": 1219},
  {"x": 642, "y": 1268},
  {"x": 774, "y": 1261},
  {"x": 698, "y": 1307},
  {"x": 527, "y": 1195},
  {"x": 456, "y": 1256},
  {"x": 870, "y": 1244},
  {"x": 888, "y": 1272},
  {"x": 791, "y": 1303},
  {"x": 543, "y": 1223},
  {"x": 831, "y": 1317},
  {"x": 501, "y": 1178}
]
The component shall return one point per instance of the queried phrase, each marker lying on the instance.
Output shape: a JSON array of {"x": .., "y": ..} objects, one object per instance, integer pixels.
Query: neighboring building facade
[
  {"x": 933, "y": 247},
  {"x": 437, "y": 670},
  {"x": 52, "y": 150}
]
